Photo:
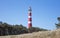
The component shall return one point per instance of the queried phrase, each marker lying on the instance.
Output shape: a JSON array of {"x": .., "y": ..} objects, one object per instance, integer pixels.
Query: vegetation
[
  {"x": 7, "y": 29},
  {"x": 58, "y": 25}
]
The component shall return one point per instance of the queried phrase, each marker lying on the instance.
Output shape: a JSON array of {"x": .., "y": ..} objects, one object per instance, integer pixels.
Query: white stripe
[
  {"x": 29, "y": 21},
  {"x": 29, "y": 16},
  {"x": 29, "y": 12}
]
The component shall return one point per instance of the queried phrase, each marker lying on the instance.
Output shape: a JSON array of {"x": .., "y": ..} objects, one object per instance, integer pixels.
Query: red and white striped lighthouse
[{"x": 29, "y": 17}]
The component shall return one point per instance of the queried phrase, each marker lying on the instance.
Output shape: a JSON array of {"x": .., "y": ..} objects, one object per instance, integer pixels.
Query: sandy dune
[{"x": 40, "y": 34}]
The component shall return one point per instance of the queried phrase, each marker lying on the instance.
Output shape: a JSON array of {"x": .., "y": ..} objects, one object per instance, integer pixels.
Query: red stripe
[
  {"x": 29, "y": 25},
  {"x": 29, "y": 19},
  {"x": 30, "y": 14}
]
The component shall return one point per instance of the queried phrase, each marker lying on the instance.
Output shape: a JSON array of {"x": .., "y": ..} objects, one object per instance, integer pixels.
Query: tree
[
  {"x": 7, "y": 29},
  {"x": 58, "y": 25},
  {"x": 35, "y": 29}
]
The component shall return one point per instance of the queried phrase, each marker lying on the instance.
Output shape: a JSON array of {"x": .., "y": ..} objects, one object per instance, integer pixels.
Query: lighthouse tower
[{"x": 29, "y": 17}]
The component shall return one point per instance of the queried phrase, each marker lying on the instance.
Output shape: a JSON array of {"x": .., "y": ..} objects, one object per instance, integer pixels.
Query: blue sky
[{"x": 44, "y": 12}]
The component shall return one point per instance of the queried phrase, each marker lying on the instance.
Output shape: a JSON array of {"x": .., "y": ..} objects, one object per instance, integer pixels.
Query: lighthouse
[{"x": 29, "y": 17}]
